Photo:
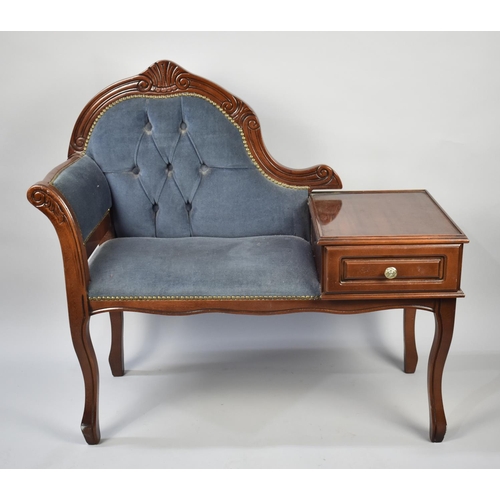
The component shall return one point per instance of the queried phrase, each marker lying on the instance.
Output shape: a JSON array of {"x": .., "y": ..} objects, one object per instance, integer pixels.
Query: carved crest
[{"x": 165, "y": 79}]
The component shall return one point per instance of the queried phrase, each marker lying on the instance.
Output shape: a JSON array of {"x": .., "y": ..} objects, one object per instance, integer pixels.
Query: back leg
[
  {"x": 116, "y": 361},
  {"x": 410, "y": 347}
]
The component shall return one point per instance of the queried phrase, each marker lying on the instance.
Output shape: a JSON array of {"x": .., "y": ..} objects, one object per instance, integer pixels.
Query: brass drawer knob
[{"x": 390, "y": 273}]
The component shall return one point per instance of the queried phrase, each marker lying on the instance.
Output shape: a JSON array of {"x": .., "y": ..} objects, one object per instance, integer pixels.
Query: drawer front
[{"x": 398, "y": 268}]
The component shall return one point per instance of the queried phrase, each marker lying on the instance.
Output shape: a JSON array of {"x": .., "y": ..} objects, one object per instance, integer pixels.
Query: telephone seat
[{"x": 169, "y": 203}]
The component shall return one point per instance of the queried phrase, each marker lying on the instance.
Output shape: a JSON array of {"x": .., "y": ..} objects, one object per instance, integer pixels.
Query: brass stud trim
[{"x": 210, "y": 297}]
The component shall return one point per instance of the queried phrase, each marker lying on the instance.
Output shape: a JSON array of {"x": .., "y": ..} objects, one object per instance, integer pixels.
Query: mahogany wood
[
  {"x": 445, "y": 320},
  {"x": 420, "y": 268},
  {"x": 80, "y": 335},
  {"x": 260, "y": 307},
  {"x": 359, "y": 236},
  {"x": 364, "y": 233},
  {"x": 381, "y": 217},
  {"x": 103, "y": 232},
  {"x": 339, "y": 222},
  {"x": 116, "y": 360},
  {"x": 410, "y": 347}
]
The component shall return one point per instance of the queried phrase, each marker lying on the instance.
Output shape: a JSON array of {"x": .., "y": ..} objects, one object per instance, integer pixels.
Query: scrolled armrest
[
  {"x": 75, "y": 196},
  {"x": 86, "y": 189}
]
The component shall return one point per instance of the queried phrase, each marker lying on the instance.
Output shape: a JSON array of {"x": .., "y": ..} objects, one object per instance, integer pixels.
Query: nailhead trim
[{"x": 211, "y": 297}]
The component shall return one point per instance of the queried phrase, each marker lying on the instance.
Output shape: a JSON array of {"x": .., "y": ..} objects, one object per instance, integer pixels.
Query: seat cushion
[{"x": 204, "y": 267}]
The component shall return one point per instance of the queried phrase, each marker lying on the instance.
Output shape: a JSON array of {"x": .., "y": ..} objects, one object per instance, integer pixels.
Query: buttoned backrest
[{"x": 178, "y": 166}]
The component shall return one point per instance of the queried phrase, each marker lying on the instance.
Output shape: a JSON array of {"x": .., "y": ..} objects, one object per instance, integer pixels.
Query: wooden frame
[{"x": 167, "y": 78}]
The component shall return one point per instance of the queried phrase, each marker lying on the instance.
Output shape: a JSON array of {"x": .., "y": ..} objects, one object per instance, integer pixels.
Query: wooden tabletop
[{"x": 381, "y": 217}]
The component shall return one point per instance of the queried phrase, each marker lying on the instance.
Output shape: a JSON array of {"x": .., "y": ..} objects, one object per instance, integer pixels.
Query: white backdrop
[{"x": 385, "y": 110}]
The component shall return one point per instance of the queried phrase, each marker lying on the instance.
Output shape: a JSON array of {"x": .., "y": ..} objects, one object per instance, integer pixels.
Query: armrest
[
  {"x": 86, "y": 190},
  {"x": 75, "y": 196}
]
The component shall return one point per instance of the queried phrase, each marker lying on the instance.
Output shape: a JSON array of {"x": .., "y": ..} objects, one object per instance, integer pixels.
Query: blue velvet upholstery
[
  {"x": 86, "y": 190},
  {"x": 193, "y": 214},
  {"x": 259, "y": 266},
  {"x": 178, "y": 167}
]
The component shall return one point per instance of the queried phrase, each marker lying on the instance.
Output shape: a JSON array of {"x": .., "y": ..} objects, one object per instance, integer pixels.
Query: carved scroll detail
[
  {"x": 241, "y": 113},
  {"x": 163, "y": 77},
  {"x": 166, "y": 79},
  {"x": 44, "y": 202}
]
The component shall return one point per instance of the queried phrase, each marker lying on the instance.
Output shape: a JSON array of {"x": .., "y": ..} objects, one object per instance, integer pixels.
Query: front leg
[
  {"x": 80, "y": 334},
  {"x": 445, "y": 320}
]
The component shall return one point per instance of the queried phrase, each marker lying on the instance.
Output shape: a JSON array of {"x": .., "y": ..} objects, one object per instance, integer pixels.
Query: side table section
[{"x": 396, "y": 248}]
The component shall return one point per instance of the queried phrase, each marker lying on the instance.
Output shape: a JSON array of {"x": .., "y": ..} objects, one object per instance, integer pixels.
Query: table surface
[{"x": 345, "y": 217}]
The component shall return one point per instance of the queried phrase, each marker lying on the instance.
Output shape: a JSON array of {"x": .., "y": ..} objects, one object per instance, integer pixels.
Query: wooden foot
[
  {"x": 82, "y": 343},
  {"x": 445, "y": 319},
  {"x": 410, "y": 347},
  {"x": 116, "y": 353}
]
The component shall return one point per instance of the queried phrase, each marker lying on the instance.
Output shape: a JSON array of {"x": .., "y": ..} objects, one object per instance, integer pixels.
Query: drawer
[{"x": 397, "y": 268}]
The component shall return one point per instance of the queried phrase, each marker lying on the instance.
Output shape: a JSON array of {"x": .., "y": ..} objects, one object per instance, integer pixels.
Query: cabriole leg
[
  {"x": 410, "y": 347},
  {"x": 116, "y": 353},
  {"x": 82, "y": 343},
  {"x": 445, "y": 320}
]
